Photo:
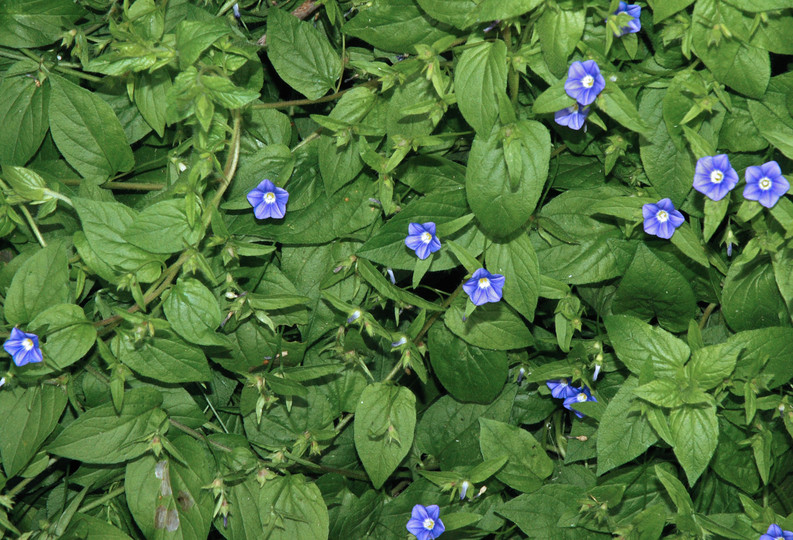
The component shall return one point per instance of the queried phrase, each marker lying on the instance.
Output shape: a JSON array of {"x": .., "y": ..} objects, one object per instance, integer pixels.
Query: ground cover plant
[{"x": 396, "y": 269}]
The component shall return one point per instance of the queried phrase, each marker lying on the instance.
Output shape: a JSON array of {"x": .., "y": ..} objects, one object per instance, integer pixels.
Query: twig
[
  {"x": 102, "y": 500},
  {"x": 33, "y": 226},
  {"x": 198, "y": 435},
  {"x": 706, "y": 315}
]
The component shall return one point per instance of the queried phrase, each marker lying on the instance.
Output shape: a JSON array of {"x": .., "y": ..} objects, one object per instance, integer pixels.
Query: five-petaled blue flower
[
  {"x": 584, "y": 82},
  {"x": 268, "y": 201},
  {"x": 714, "y": 176},
  {"x": 635, "y": 11},
  {"x": 424, "y": 522},
  {"x": 562, "y": 389},
  {"x": 23, "y": 347},
  {"x": 484, "y": 287},
  {"x": 573, "y": 116},
  {"x": 661, "y": 219},
  {"x": 583, "y": 395},
  {"x": 421, "y": 239},
  {"x": 765, "y": 184},
  {"x": 775, "y": 532}
]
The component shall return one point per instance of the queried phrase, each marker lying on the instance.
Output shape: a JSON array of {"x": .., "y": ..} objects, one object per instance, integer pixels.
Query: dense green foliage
[{"x": 209, "y": 374}]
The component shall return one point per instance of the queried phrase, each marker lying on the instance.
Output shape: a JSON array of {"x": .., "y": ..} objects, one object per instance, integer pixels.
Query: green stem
[
  {"x": 344, "y": 472},
  {"x": 20, "y": 486},
  {"x": 33, "y": 225},
  {"x": 102, "y": 500},
  {"x": 130, "y": 186},
  {"x": 198, "y": 435},
  {"x": 706, "y": 315},
  {"x": 301, "y": 102}
]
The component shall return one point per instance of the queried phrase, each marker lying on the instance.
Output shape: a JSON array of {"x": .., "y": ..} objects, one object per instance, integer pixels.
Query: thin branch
[
  {"x": 102, "y": 500},
  {"x": 33, "y": 226}
]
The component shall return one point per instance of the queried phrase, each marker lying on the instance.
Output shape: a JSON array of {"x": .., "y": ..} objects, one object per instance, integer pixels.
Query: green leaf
[
  {"x": 385, "y": 421},
  {"x": 101, "y": 436},
  {"x": 34, "y": 23},
  {"x": 194, "y": 313},
  {"x": 22, "y": 103},
  {"x": 163, "y": 228},
  {"x": 167, "y": 497},
  {"x": 696, "y": 434},
  {"x": 498, "y": 10},
  {"x": 686, "y": 241},
  {"x": 491, "y": 326},
  {"x": 394, "y": 25},
  {"x": 454, "y": 12},
  {"x": 91, "y": 528},
  {"x": 387, "y": 245},
  {"x": 164, "y": 358},
  {"x": 712, "y": 365},
  {"x": 669, "y": 170},
  {"x": 500, "y": 208},
  {"x": 40, "y": 283},
  {"x": 341, "y": 215},
  {"x": 467, "y": 372},
  {"x": 538, "y": 513},
  {"x": 87, "y": 131},
  {"x": 741, "y": 66},
  {"x": 646, "y": 350},
  {"x": 194, "y": 37},
  {"x": 652, "y": 289},
  {"x": 623, "y": 433},
  {"x": 616, "y": 104},
  {"x": 751, "y": 298},
  {"x": 301, "y": 54},
  {"x": 69, "y": 335},
  {"x": 766, "y": 349},
  {"x": 270, "y": 126},
  {"x": 772, "y": 117},
  {"x": 517, "y": 262},
  {"x": 480, "y": 75},
  {"x": 559, "y": 31},
  {"x": 285, "y": 508},
  {"x": 551, "y": 100},
  {"x": 151, "y": 90},
  {"x": 340, "y": 164},
  {"x": 104, "y": 225},
  {"x": 663, "y": 9},
  {"x": 448, "y": 430},
  {"x": 676, "y": 490},
  {"x": 29, "y": 416},
  {"x": 528, "y": 463}
]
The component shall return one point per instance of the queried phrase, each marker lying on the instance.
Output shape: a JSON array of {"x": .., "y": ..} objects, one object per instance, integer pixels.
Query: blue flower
[
  {"x": 573, "y": 117},
  {"x": 775, "y": 532},
  {"x": 765, "y": 184},
  {"x": 268, "y": 201},
  {"x": 23, "y": 348},
  {"x": 424, "y": 522},
  {"x": 484, "y": 287},
  {"x": 661, "y": 219},
  {"x": 584, "y": 82},
  {"x": 714, "y": 176},
  {"x": 635, "y": 11},
  {"x": 422, "y": 239},
  {"x": 582, "y": 396},
  {"x": 562, "y": 389}
]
